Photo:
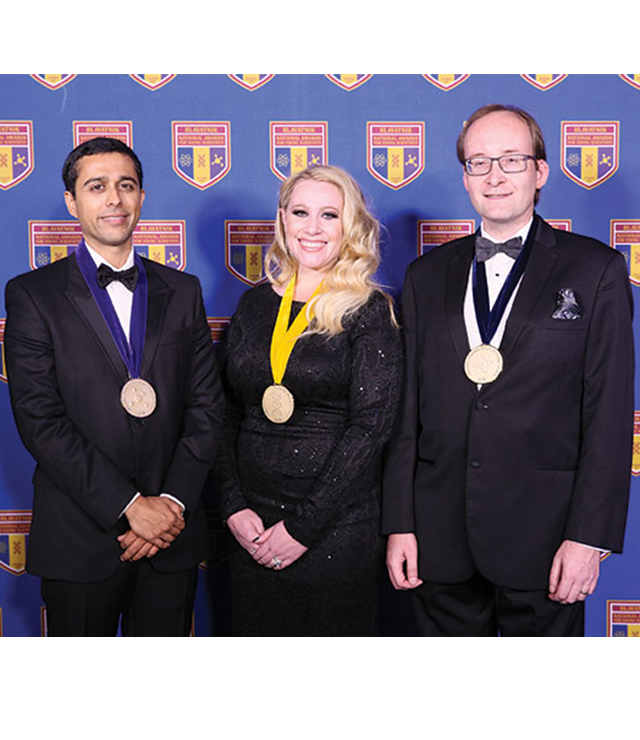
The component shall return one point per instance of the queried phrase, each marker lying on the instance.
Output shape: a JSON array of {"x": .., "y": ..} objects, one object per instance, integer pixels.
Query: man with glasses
[{"x": 509, "y": 473}]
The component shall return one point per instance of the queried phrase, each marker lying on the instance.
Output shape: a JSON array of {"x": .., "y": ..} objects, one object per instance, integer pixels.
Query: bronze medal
[
  {"x": 483, "y": 364},
  {"x": 277, "y": 404},
  {"x": 138, "y": 398}
]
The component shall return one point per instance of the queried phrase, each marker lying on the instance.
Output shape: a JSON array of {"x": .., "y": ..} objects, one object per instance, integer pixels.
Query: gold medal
[
  {"x": 138, "y": 398},
  {"x": 483, "y": 364},
  {"x": 277, "y": 401},
  {"x": 277, "y": 404}
]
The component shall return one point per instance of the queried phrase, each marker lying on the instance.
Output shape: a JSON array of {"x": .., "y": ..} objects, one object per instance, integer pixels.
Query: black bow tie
[
  {"x": 485, "y": 248},
  {"x": 128, "y": 278}
]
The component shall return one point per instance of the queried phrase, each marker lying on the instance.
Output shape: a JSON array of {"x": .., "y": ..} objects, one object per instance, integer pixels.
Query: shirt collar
[
  {"x": 523, "y": 232},
  {"x": 99, "y": 259}
]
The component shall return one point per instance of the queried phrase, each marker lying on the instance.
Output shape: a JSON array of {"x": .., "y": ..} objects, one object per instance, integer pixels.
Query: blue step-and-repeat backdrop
[{"x": 215, "y": 149}]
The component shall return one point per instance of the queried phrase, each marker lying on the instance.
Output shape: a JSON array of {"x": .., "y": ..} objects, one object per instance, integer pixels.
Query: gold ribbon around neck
[
  {"x": 284, "y": 337},
  {"x": 277, "y": 401}
]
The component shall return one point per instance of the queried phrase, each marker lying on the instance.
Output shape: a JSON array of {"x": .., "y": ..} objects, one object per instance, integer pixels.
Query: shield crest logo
[
  {"x": 218, "y": 325},
  {"x": 296, "y": 145},
  {"x": 251, "y": 82},
  {"x": 395, "y": 151},
  {"x": 53, "y": 82},
  {"x": 623, "y": 618},
  {"x": 349, "y": 82},
  {"x": 14, "y": 531},
  {"x": 152, "y": 82},
  {"x": 3, "y": 366},
  {"x": 246, "y": 244},
  {"x": 160, "y": 241},
  {"x": 543, "y": 82},
  {"x": 201, "y": 151},
  {"x": 434, "y": 232},
  {"x": 590, "y": 151},
  {"x": 633, "y": 80},
  {"x": 625, "y": 237},
  {"x": 563, "y": 224},
  {"x": 85, "y": 130},
  {"x": 16, "y": 152},
  {"x": 446, "y": 82}
]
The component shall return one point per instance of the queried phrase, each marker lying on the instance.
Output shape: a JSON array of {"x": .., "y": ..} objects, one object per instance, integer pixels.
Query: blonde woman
[{"x": 313, "y": 368}]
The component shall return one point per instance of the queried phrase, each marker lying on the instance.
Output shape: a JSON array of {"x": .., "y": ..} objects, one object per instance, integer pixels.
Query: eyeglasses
[{"x": 509, "y": 163}]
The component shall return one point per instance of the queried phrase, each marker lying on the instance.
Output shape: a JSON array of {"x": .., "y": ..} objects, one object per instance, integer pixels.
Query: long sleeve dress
[{"x": 319, "y": 472}]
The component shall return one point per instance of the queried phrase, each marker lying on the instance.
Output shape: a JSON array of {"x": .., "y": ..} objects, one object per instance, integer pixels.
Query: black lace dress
[{"x": 319, "y": 472}]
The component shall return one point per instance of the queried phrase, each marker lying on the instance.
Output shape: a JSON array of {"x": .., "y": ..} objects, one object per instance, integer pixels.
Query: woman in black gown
[{"x": 300, "y": 470}]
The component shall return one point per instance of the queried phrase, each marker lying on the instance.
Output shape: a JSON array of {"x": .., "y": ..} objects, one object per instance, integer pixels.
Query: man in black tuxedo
[
  {"x": 116, "y": 394},
  {"x": 509, "y": 473}
]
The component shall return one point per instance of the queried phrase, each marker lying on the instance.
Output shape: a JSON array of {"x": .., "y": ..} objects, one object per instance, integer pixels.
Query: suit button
[
  {"x": 482, "y": 406},
  {"x": 475, "y": 463}
]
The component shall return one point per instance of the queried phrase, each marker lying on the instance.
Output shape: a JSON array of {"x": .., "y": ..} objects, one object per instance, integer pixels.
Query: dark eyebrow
[{"x": 124, "y": 178}]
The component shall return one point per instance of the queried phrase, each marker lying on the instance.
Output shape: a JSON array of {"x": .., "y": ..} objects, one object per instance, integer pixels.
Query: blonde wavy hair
[{"x": 349, "y": 283}]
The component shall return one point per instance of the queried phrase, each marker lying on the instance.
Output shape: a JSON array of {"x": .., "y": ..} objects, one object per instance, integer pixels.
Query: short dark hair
[
  {"x": 99, "y": 145},
  {"x": 539, "y": 149}
]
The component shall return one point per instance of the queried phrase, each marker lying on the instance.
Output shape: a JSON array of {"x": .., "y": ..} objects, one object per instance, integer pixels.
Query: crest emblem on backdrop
[
  {"x": 625, "y": 237},
  {"x": 246, "y": 244},
  {"x": 623, "y": 618},
  {"x": 395, "y": 151},
  {"x": 349, "y": 82},
  {"x": 544, "y": 82},
  {"x": 16, "y": 152},
  {"x": 635, "y": 464},
  {"x": 446, "y": 82},
  {"x": 201, "y": 151},
  {"x": 251, "y": 82},
  {"x": 3, "y": 367},
  {"x": 590, "y": 151},
  {"x": 218, "y": 325},
  {"x": 14, "y": 530},
  {"x": 85, "y": 130},
  {"x": 53, "y": 82},
  {"x": 296, "y": 145},
  {"x": 562, "y": 224},
  {"x": 434, "y": 232},
  {"x": 160, "y": 241},
  {"x": 152, "y": 82},
  {"x": 633, "y": 80}
]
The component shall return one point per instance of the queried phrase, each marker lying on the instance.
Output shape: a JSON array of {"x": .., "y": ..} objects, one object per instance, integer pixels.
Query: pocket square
[{"x": 567, "y": 305}]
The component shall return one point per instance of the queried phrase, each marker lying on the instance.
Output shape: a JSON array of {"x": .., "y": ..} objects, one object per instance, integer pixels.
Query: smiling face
[
  {"x": 107, "y": 202},
  {"x": 504, "y": 201},
  {"x": 313, "y": 226}
]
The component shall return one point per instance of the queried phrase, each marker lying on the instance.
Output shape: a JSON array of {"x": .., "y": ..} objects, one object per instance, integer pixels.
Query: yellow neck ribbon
[{"x": 284, "y": 336}]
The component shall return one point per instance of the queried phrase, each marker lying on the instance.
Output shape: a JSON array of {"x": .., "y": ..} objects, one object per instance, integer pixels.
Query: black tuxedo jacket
[
  {"x": 494, "y": 480},
  {"x": 65, "y": 376}
]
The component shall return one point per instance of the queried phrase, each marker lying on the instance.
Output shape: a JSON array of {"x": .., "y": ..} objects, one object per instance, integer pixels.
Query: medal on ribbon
[
  {"x": 277, "y": 401},
  {"x": 137, "y": 396},
  {"x": 484, "y": 363}
]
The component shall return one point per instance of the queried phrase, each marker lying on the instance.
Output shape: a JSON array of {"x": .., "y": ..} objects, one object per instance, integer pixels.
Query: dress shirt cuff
[
  {"x": 124, "y": 511},
  {"x": 591, "y": 547},
  {"x": 173, "y": 498}
]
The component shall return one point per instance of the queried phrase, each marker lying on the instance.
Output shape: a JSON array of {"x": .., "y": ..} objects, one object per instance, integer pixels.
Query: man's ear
[{"x": 70, "y": 200}]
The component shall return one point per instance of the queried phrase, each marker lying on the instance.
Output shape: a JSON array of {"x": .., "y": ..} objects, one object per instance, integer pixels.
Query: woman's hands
[
  {"x": 273, "y": 547},
  {"x": 277, "y": 548}
]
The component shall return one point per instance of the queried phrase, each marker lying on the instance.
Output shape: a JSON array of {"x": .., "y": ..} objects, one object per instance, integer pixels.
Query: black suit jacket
[
  {"x": 496, "y": 479},
  {"x": 65, "y": 376}
]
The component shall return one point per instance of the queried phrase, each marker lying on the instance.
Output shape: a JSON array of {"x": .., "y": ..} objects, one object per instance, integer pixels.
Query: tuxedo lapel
[
  {"x": 157, "y": 303},
  {"x": 79, "y": 295},
  {"x": 457, "y": 278},
  {"x": 539, "y": 268}
]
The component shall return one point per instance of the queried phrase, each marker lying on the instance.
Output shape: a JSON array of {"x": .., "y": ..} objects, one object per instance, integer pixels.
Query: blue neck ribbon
[{"x": 131, "y": 353}]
